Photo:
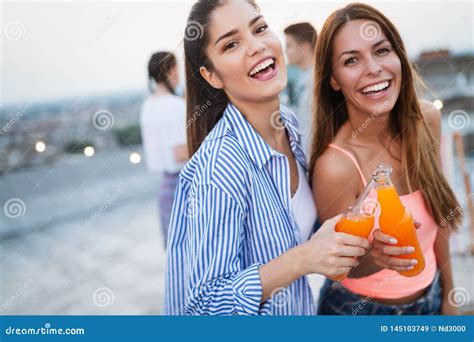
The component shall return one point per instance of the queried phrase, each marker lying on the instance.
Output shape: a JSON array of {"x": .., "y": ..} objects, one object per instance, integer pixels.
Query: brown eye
[
  {"x": 262, "y": 28},
  {"x": 350, "y": 61},
  {"x": 382, "y": 51},
  {"x": 230, "y": 45}
]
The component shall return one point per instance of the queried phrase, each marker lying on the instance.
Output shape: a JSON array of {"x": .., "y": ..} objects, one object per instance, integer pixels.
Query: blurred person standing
[
  {"x": 300, "y": 42},
  {"x": 163, "y": 130}
]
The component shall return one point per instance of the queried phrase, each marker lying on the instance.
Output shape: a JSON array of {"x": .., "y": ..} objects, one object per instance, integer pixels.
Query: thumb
[{"x": 330, "y": 224}]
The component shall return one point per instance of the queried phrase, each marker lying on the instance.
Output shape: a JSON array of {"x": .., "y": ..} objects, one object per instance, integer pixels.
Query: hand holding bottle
[
  {"x": 386, "y": 252},
  {"x": 333, "y": 254}
]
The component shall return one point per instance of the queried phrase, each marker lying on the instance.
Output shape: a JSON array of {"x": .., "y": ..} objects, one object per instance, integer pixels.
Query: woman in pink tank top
[{"x": 367, "y": 113}]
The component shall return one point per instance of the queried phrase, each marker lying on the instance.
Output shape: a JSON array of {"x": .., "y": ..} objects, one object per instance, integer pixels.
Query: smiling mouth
[
  {"x": 376, "y": 88},
  {"x": 262, "y": 70}
]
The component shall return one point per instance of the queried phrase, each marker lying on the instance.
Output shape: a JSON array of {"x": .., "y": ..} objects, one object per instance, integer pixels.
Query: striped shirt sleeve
[{"x": 219, "y": 284}]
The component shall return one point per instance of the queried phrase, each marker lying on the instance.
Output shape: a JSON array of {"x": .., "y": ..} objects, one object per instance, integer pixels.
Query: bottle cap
[{"x": 382, "y": 168}]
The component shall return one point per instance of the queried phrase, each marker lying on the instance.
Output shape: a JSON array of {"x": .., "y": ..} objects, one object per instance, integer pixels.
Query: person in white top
[{"x": 163, "y": 130}]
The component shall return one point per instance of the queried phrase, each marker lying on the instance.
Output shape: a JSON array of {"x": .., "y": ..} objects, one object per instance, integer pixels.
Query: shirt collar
[{"x": 258, "y": 150}]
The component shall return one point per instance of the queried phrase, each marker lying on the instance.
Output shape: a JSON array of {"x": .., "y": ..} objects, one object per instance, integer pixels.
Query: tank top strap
[{"x": 354, "y": 161}]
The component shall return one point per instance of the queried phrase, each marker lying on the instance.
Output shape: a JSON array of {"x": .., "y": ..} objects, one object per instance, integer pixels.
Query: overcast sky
[{"x": 52, "y": 50}]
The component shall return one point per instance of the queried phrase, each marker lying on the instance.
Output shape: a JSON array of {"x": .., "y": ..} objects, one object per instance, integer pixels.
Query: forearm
[{"x": 282, "y": 271}]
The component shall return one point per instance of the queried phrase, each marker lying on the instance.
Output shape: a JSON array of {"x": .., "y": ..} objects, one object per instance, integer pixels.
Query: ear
[
  {"x": 334, "y": 85},
  {"x": 211, "y": 78}
]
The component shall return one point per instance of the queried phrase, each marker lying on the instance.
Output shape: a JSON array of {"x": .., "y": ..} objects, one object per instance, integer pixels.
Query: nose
[
  {"x": 256, "y": 46},
  {"x": 373, "y": 68}
]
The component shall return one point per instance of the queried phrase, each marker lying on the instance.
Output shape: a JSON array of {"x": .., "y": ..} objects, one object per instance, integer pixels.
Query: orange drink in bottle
[
  {"x": 359, "y": 220},
  {"x": 395, "y": 220},
  {"x": 355, "y": 224}
]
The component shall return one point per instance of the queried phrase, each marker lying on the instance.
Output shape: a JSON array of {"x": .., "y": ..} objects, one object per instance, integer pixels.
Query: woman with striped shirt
[{"x": 239, "y": 239}]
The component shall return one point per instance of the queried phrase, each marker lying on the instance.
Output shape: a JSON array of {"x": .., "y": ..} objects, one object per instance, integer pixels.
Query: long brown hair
[
  {"x": 204, "y": 104},
  {"x": 418, "y": 157}
]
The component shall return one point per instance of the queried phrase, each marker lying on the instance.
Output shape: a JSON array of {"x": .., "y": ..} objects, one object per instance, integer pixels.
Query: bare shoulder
[
  {"x": 332, "y": 164},
  {"x": 335, "y": 183}
]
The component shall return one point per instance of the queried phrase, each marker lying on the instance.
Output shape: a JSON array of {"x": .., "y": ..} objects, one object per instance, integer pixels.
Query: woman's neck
[
  {"x": 369, "y": 128},
  {"x": 265, "y": 119},
  {"x": 161, "y": 90}
]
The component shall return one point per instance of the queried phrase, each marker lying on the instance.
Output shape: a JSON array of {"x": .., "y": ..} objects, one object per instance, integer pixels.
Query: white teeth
[
  {"x": 376, "y": 87},
  {"x": 261, "y": 66}
]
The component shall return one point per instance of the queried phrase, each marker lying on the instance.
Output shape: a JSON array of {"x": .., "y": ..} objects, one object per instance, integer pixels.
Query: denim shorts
[{"x": 335, "y": 299}]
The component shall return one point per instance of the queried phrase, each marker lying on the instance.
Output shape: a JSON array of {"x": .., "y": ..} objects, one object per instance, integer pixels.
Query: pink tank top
[{"x": 387, "y": 283}]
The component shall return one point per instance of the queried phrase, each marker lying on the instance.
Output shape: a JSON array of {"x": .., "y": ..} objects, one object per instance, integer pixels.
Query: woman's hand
[
  {"x": 330, "y": 253},
  {"x": 385, "y": 254}
]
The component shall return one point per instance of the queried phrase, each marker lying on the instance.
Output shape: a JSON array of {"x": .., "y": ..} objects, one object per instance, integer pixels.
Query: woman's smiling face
[
  {"x": 247, "y": 57},
  {"x": 366, "y": 68}
]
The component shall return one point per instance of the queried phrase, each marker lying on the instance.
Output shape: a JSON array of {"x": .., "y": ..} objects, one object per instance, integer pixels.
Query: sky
[{"x": 66, "y": 49}]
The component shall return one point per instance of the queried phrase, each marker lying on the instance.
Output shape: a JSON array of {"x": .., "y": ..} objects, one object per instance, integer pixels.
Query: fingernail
[
  {"x": 413, "y": 261},
  {"x": 411, "y": 267},
  {"x": 410, "y": 249},
  {"x": 392, "y": 241}
]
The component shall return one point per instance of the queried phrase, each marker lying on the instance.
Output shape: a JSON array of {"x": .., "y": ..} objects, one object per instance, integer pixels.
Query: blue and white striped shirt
[{"x": 231, "y": 214}]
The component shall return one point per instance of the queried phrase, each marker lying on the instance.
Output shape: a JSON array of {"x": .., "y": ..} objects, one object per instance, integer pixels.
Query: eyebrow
[
  {"x": 355, "y": 51},
  {"x": 234, "y": 31}
]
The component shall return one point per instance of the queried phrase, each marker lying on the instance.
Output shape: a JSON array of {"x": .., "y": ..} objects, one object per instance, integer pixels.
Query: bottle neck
[{"x": 388, "y": 197}]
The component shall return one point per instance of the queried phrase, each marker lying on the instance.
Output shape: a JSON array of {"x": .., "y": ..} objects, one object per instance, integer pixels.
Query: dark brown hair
[
  {"x": 159, "y": 67},
  {"x": 302, "y": 33},
  {"x": 419, "y": 160},
  {"x": 204, "y": 104}
]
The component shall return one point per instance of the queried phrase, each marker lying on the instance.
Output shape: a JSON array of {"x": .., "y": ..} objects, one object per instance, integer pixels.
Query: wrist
[{"x": 299, "y": 260}]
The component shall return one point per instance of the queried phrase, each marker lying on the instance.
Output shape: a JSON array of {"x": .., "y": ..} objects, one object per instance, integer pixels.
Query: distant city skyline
[{"x": 57, "y": 50}]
